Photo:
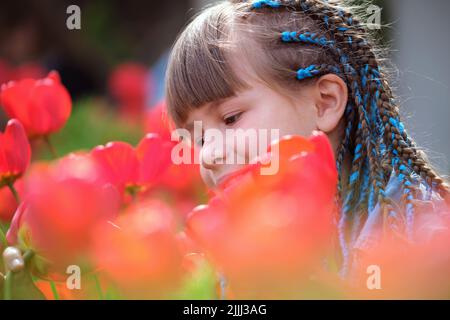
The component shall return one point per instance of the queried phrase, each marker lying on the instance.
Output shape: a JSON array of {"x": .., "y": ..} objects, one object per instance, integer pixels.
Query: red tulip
[
  {"x": 5, "y": 72},
  {"x": 154, "y": 156},
  {"x": 183, "y": 182},
  {"x": 28, "y": 70},
  {"x": 139, "y": 251},
  {"x": 15, "y": 152},
  {"x": 270, "y": 233},
  {"x": 130, "y": 169},
  {"x": 43, "y": 106},
  {"x": 119, "y": 163},
  {"x": 158, "y": 122},
  {"x": 24, "y": 71},
  {"x": 80, "y": 165},
  {"x": 129, "y": 85},
  {"x": 184, "y": 179},
  {"x": 8, "y": 204},
  {"x": 57, "y": 217}
]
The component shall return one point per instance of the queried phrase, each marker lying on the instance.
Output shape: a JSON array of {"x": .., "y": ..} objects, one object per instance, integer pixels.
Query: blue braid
[
  {"x": 313, "y": 38},
  {"x": 306, "y": 37},
  {"x": 362, "y": 197},
  {"x": 371, "y": 202},
  {"x": 304, "y": 6},
  {"x": 345, "y": 144},
  {"x": 325, "y": 18},
  {"x": 354, "y": 177},
  {"x": 266, "y": 3},
  {"x": 314, "y": 70},
  {"x": 378, "y": 131},
  {"x": 371, "y": 114},
  {"x": 365, "y": 183},
  {"x": 405, "y": 172},
  {"x": 308, "y": 72},
  {"x": 371, "y": 121}
]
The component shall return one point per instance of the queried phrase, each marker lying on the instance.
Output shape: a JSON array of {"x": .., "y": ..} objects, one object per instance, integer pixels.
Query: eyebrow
[{"x": 215, "y": 105}]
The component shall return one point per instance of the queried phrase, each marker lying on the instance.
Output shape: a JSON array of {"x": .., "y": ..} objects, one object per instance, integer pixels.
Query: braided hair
[{"x": 306, "y": 39}]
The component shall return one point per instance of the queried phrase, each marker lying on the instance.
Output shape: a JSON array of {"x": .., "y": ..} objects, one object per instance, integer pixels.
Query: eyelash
[
  {"x": 200, "y": 142},
  {"x": 236, "y": 117}
]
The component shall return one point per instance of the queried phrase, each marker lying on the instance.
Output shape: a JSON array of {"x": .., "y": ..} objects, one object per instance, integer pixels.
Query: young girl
[{"x": 300, "y": 66}]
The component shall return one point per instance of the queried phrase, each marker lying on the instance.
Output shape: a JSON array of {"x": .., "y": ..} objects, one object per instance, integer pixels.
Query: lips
[{"x": 226, "y": 180}]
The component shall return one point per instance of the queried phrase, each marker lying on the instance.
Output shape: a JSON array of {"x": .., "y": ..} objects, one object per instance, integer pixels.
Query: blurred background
[{"x": 125, "y": 44}]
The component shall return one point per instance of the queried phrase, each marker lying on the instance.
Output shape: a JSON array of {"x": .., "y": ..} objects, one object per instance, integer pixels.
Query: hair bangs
[{"x": 198, "y": 71}]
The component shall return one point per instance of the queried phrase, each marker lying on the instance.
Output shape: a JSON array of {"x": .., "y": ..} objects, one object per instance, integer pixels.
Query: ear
[{"x": 331, "y": 100}]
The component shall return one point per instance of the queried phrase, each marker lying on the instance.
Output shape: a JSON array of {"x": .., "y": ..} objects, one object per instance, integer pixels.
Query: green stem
[
  {"x": 3, "y": 241},
  {"x": 28, "y": 255},
  {"x": 7, "y": 289},
  {"x": 50, "y": 147},
  {"x": 14, "y": 192},
  {"x": 54, "y": 290},
  {"x": 99, "y": 287}
]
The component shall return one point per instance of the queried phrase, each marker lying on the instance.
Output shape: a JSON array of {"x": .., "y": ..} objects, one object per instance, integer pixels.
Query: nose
[{"x": 212, "y": 155}]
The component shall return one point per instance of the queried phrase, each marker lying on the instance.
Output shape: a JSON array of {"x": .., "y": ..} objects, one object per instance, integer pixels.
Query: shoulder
[{"x": 428, "y": 213}]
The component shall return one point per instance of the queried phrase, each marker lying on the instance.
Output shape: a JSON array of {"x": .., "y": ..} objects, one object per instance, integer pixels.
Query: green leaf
[
  {"x": 199, "y": 286},
  {"x": 92, "y": 123},
  {"x": 21, "y": 286}
]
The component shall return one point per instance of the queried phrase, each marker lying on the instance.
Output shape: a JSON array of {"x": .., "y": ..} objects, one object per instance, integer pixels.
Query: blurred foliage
[
  {"x": 199, "y": 286},
  {"x": 99, "y": 17},
  {"x": 92, "y": 123}
]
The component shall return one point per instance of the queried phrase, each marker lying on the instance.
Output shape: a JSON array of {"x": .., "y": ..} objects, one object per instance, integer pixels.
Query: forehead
[
  {"x": 213, "y": 108},
  {"x": 257, "y": 92},
  {"x": 207, "y": 62}
]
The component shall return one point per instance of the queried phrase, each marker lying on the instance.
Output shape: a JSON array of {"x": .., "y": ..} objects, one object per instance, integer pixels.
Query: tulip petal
[
  {"x": 52, "y": 106},
  {"x": 43, "y": 106},
  {"x": 15, "y": 98},
  {"x": 118, "y": 162},
  {"x": 15, "y": 149},
  {"x": 154, "y": 155}
]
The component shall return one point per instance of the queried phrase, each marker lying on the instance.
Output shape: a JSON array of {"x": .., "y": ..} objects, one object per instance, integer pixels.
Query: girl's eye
[
  {"x": 200, "y": 142},
  {"x": 232, "y": 119}
]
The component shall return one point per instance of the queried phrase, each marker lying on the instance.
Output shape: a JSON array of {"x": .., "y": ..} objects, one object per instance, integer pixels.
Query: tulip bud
[
  {"x": 16, "y": 152},
  {"x": 43, "y": 106}
]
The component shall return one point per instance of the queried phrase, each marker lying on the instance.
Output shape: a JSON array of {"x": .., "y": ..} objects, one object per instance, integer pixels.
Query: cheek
[
  {"x": 275, "y": 114},
  {"x": 287, "y": 118},
  {"x": 304, "y": 120}
]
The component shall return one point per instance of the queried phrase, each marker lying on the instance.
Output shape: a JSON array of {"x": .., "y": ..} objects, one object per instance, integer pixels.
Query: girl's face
[{"x": 258, "y": 107}]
